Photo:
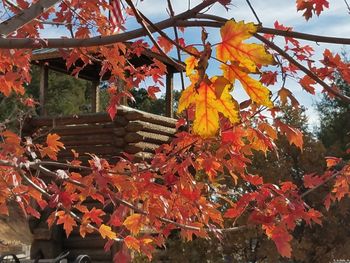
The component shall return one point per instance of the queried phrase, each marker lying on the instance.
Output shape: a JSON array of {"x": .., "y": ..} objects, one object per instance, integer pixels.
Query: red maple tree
[{"x": 183, "y": 187}]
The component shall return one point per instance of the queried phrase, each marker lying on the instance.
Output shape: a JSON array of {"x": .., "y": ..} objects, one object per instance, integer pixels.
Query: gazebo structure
[
  {"x": 51, "y": 59},
  {"x": 132, "y": 131}
]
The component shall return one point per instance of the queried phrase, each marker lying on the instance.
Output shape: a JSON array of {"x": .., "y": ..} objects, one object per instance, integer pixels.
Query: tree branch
[
  {"x": 34, "y": 165},
  {"x": 141, "y": 21},
  {"x": 302, "y": 196},
  {"x": 32, "y": 43},
  {"x": 218, "y": 21},
  {"x": 179, "y": 20},
  {"x": 25, "y": 16},
  {"x": 302, "y": 68}
]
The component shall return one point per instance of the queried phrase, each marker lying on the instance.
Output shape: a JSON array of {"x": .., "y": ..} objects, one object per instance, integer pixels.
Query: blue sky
[{"x": 332, "y": 22}]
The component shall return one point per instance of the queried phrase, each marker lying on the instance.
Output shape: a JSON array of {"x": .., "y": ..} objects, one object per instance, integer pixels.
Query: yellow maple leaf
[
  {"x": 233, "y": 49},
  {"x": 133, "y": 223},
  {"x": 191, "y": 63},
  {"x": 106, "y": 231},
  {"x": 256, "y": 91},
  {"x": 186, "y": 99},
  {"x": 212, "y": 96}
]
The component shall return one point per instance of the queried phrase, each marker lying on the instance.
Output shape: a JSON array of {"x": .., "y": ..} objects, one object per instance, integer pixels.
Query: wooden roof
[{"x": 52, "y": 57}]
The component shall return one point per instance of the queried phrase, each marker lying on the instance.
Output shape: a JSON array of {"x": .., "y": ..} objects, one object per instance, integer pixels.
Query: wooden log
[
  {"x": 142, "y": 136},
  {"x": 119, "y": 142},
  {"x": 120, "y": 132},
  {"x": 89, "y": 242},
  {"x": 143, "y": 156},
  {"x": 45, "y": 248},
  {"x": 42, "y": 234},
  {"x": 82, "y": 129},
  {"x": 78, "y": 140},
  {"x": 98, "y": 139},
  {"x": 77, "y": 119},
  {"x": 15, "y": 227},
  {"x": 151, "y": 118},
  {"x": 135, "y": 126},
  {"x": 95, "y": 149},
  {"x": 140, "y": 147}
]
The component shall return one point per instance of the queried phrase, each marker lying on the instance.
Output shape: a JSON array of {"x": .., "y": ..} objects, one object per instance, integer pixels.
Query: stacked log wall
[{"x": 132, "y": 131}]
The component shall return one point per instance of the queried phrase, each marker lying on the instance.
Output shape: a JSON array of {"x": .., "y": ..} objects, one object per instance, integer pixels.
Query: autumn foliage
[{"x": 198, "y": 183}]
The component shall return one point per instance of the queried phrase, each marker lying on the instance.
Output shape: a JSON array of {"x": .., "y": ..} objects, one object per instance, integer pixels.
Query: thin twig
[
  {"x": 303, "y": 195},
  {"x": 302, "y": 68},
  {"x": 253, "y": 11},
  {"x": 347, "y": 5},
  {"x": 141, "y": 21},
  {"x": 163, "y": 34},
  {"x": 119, "y": 200},
  {"x": 178, "y": 48}
]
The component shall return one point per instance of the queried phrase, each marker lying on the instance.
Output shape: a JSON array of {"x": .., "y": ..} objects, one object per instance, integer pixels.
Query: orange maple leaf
[
  {"x": 52, "y": 141},
  {"x": 306, "y": 82},
  {"x": 281, "y": 238},
  {"x": 165, "y": 44},
  {"x": 132, "y": 242},
  {"x": 67, "y": 221},
  {"x": 332, "y": 161},
  {"x": 284, "y": 93},
  {"x": 293, "y": 134},
  {"x": 133, "y": 223},
  {"x": 106, "y": 231},
  {"x": 53, "y": 146}
]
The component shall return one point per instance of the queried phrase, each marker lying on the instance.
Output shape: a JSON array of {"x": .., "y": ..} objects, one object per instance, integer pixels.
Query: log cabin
[{"x": 132, "y": 131}]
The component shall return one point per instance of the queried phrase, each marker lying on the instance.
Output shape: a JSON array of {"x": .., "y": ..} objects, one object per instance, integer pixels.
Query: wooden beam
[
  {"x": 95, "y": 96},
  {"x": 169, "y": 95},
  {"x": 44, "y": 84}
]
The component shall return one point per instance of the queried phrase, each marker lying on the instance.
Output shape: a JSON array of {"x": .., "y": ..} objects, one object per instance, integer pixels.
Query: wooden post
[
  {"x": 95, "y": 97},
  {"x": 169, "y": 95},
  {"x": 121, "y": 88},
  {"x": 44, "y": 83}
]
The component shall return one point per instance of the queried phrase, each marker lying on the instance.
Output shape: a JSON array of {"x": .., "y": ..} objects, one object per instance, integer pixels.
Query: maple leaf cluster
[
  {"x": 311, "y": 7},
  {"x": 198, "y": 183}
]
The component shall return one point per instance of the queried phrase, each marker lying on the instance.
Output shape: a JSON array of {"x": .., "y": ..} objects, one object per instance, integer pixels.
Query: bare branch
[
  {"x": 32, "y": 43},
  {"x": 303, "y": 68},
  {"x": 179, "y": 20},
  {"x": 303, "y": 195},
  {"x": 34, "y": 165},
  {"x": 254, "y": 12},
  {"x": 25, "y": 16},
  {"x": 141, "y": 21}
]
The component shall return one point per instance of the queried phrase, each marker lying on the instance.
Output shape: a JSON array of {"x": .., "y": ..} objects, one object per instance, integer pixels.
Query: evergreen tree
[
  {"x": 66, "y": 95},
  {"x": 156, "y": 106},
  {"x": 334, "y": 130},
  {"x": 250, "y": 245}
]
